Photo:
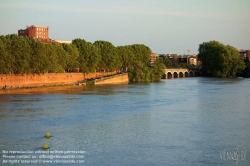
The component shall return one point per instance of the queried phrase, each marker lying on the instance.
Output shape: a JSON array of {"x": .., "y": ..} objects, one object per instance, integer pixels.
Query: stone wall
[
  {"x": 14, "y": 81},
  {"x": 122, "y": 78}
]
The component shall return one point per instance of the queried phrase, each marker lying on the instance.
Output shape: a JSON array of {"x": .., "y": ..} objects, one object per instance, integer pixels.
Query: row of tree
[
  {"x": 220, "y": 60},
  {"x": 24, "y": 55}
]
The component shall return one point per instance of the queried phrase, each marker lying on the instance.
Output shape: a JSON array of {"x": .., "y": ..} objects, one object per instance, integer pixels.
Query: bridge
[{"x": 180, "y": 73}]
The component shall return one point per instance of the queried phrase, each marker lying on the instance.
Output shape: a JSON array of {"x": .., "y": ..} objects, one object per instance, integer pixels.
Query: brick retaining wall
[
  {"x": 122, "y": 78},
  {"x": 11, "y": 80}
]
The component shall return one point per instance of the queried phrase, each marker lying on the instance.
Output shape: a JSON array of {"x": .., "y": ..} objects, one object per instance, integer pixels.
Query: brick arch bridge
[{"x": 179, "y": 73}]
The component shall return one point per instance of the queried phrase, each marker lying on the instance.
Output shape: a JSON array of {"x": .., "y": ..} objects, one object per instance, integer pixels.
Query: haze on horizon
[{"x": 166, "y": 26}]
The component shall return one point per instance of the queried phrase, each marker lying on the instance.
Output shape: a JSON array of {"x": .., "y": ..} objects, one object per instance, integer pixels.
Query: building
[
  {"x": 47, "y": 41},
  {"x": 64, "y": 41},
  {"x": 174, "y": 59},
  {"x": 193, "y": 60},
  {"x": 248, "y": 54},
  {"x": 35, "y": 31},
  {"x": 242, "y": 53},
  {"x": 153, "y": 58},
  {"x": 183, "y": 59}
]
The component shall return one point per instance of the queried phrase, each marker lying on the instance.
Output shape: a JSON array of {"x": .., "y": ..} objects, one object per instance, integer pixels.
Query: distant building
[
  {"x": 153, "y": 58},
  {"x": 47, "y": 41},
  {"x": 174, "y": 59},
  {"x": 193, "y": 60},
  {"x": 35, "y": 31},
  {"x": 242, "y": 53},
  {"x": 248, "y": 54},
  {"x": 183, "y": 59},
  {"x": 64, "y": 41}
]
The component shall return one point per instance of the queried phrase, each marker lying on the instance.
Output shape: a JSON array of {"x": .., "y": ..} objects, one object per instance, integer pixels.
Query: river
[{"x": 184, "y": 121}]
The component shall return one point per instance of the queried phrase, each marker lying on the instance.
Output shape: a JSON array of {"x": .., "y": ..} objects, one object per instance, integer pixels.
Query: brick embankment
[
  {"x": 119, "y": 78},
  {"x": 15, "y": 81}
]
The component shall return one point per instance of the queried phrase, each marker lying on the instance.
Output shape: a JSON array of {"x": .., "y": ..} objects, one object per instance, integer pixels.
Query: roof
[
  {"x": 42, "y": 40},
  {"x": 38, "y": 26}
]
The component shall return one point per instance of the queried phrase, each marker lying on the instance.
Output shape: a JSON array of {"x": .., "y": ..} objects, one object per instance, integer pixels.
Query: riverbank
[{"x": 58, "y": 79}]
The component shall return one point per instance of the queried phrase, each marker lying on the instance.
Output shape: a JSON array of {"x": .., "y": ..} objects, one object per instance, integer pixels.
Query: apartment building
[{"x": 35, "y": 31}]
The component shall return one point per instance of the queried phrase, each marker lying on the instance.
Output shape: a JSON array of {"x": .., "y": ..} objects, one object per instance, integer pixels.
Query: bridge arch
[
  {"x": 176, "y": 74},
  {"x": 193, "y": 73},
  {"x": 169, "y": 75},
  {"x": 179, "y": 73}
]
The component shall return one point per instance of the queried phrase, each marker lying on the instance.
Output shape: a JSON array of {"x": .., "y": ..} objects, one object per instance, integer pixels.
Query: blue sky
[{"x": 166, "y": 26}]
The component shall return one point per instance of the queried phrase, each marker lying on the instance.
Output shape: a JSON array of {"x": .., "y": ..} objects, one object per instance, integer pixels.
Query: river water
[{"x": 185, "y": 121}]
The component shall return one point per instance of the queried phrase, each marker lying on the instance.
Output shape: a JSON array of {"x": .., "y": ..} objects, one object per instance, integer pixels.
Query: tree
[
  {"x": 126, "y": 56},
  {"x": 39, "y": 61},
  {"x": 88, "y": 55},
  {"x": 246, "y": 72},
  {"x": 138, "y": 69},
  {"x": 24, "y": 55},
  {"x": 51, "y": 55},
  {"x": 185, "y": 65},
  {"x": 220, "y": 60},
  {"x": 165, "y": 61},
  {"x": 21, "y": 51},
  {"x": 61, "y": 57},
  {"x": 72, "y": 63},
  {"x": 158, "y": 70},
  {"x": 6, "y": 59},
  {"x": 110, "y": 61}
]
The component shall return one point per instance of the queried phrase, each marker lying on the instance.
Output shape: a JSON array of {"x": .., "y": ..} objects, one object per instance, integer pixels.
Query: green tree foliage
[
  {"x": 246, "y": 72},
  {"x": 6, "y": 59},
  {"x": 138, "y": 68},
  {"x": 126, "y": 56},
  {"x": 24, "y": 55},
  {"x": 39, "y": 61},
  {"x": 165, "y": 61},
  {"x": 61, "y": 57},
  {"x": 158, "y": 70},
  {"x": 21, "y": 52},
  {"x": 185, "y": 65},
  {"x": 220, "y": 60},
  {"x": 110, "y": 61},
  {"x": 51, "y": 54},
  {"x": 72, "y": 55},
  {"x": 88, "y": 55}
]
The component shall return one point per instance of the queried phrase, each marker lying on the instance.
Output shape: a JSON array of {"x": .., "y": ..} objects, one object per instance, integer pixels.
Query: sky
[{"x": 166, "y": 26}]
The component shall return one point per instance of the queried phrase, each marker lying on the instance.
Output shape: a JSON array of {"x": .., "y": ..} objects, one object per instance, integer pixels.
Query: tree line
[
  {"x": 221, "y": 60},
  {"x": 24, "y": 55}
]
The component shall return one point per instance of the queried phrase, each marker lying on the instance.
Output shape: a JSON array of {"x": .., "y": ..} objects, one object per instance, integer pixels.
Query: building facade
[
  {"x": 193, "y": 60},
  {"x": 35, "y": 31},
  {"x": 248, "y": 54},
  {"x": 64, "y": 41},
  {"x": 242, "y": 53},
  {"x": 153, "y": 58}
]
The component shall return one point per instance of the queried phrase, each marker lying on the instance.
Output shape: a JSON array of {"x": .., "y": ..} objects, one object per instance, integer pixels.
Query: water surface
[{"x": 186, "y": 121}]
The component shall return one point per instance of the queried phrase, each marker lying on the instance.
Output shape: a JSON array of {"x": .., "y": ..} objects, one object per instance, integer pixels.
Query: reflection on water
[{"x": 174, "y": 122}]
